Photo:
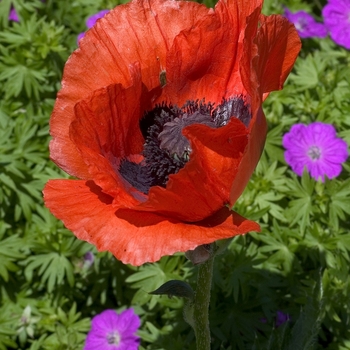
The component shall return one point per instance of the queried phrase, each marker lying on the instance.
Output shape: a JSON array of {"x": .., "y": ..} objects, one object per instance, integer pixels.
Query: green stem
[{"x": 201, "y": 305}]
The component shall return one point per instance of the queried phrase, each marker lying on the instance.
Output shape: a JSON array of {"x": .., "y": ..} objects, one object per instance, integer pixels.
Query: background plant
[{"x": 299, "y": 264}]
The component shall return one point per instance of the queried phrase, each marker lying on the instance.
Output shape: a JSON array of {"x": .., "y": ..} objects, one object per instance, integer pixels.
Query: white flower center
[
  {"x": 113, "y": 338},
  {"x": 300, "y": 24},
  {"x": 314, "y": 152}
]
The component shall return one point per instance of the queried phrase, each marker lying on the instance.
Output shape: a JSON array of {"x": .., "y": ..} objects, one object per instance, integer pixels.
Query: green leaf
[
  {"x": 308, "y": 71},
  {"x": 175, "y": 288},
  {"x": 299, "y": 210}
]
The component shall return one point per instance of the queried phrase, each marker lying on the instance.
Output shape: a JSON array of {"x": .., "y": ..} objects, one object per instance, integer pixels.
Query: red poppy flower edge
[
  {"x": 134, "y": 237},
  {"x": 100, "y": 130}
]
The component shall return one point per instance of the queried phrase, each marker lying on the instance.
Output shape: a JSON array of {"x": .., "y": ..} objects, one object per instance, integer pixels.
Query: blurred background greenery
[{"x": 50, "y": 287}]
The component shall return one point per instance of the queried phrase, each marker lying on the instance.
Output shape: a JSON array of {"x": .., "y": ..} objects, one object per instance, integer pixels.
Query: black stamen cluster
[
  {"x": 136, "y": 175},
  {"x": 190, "y": 107},
  {"x": 234, "y": 107},
  {"x": 158, "y": 163}
]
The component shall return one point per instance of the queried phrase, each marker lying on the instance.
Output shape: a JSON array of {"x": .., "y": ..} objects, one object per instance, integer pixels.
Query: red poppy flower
[{"x": 159, "y": 117}]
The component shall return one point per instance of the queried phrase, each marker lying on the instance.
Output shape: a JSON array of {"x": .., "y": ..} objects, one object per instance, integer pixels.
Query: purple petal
[
  {"x": 128, "y": 322},
  {"x": 13, "y": 16},
  {"x": 281, "y": 318},
  {"x": 336, "y": 17},
  {"x": 331, "y": 170},
  {"x": 80, "y": 36},
  {"x": 315, "y": 147},
  {"x": 107, "y": 322},
  {"x": 306, "y": 25},
  {"x": 89, "y": 259},
  {"x": 92, "y": 19}
]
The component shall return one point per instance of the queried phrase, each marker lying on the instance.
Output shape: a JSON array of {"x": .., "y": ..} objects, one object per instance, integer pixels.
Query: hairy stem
[{"x": 201, "y": 305}]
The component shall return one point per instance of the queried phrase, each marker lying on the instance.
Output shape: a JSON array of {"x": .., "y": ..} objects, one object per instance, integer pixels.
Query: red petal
[
  {"x": 251, "y": 156},
  {"x": 202, "y": 187},
  {"x": 136, "y": 32},
  {"x": 106, "y": 130},
  {"x": 278, "y": 44},
  {"x": 204, "y": 60},
  {"x": 133, "y": 237},
  {"x": 264, "y": 67}
]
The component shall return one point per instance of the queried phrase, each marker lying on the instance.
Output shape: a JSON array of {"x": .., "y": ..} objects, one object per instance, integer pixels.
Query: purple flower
[
  {"x": 13, "y": 16},
  {"x": 110, "y": 331},
  {"x": 80, "y": 36},
  {"x": 90, "y": 22},
  {"x": 89, "y": 259},
  {"x": 306, "y": 25},
  {"x": 281, "y": 318},
  {"x": 316, "y": 148},
  {"x": 336, "y": 16}
]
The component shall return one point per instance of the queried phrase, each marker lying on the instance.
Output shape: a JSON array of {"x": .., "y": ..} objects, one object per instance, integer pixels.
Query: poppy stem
[{"x": 201, "y": 305}]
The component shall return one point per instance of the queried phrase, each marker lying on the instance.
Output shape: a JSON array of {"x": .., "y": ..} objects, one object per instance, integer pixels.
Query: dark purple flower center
[
  {"x": 314, "y": 152},
  {"x": 113, "y": 338},
  {"x": 174, "y": 142},
  {"x": 281, "y": 318},
  {"x": 166, "y": 149}
]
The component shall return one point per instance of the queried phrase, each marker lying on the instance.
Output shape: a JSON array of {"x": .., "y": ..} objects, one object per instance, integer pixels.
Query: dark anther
[
  {"x": 158, "y": 115},
  {"x": 166, "y": 150},
  {"x": 136, "y": 175},
  {"x": 173, "y": 141},
  {"x": 234, "y": 107}
]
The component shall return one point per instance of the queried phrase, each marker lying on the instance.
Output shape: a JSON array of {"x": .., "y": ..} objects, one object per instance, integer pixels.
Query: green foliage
[
  {"x": 175, "y": 288},
  {"x": 297, "y": 264}
]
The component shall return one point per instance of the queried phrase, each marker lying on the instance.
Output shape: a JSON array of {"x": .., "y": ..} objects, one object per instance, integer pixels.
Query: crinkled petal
[
  {"x": 278, "y": 46},
  {"x": 272, "y": 55},
  {"x": 203, "y": 186},
  {"x": 205, "y": 63},
  {"x": 251, "y": 155},
  {"x": 136, "y": 32},
  {"x": 105, "y": 131},
  {"x": 184, "y": 52},
  {"x": 133, "y": 237}
]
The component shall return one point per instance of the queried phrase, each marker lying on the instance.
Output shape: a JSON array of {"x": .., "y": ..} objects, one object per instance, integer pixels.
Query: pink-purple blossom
[
  {"x": 306, "y": 25},
  {"x": 89, "y": 259},
  {"x": 317, "y": 148},
  {"x": 13, "y": 16},
  {"x": 112, "y": 331},
  {"x": 91, "y": 21},
  {"x": 281, "y": 318},
  {"x": 336, "y": 16}
]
